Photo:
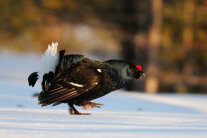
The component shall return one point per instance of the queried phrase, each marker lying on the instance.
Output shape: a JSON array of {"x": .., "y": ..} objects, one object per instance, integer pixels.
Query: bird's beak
[{"x": 143, "y": 75}]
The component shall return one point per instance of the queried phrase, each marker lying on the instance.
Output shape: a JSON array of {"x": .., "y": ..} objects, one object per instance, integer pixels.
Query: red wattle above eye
[{"x": 139, "y": 67}]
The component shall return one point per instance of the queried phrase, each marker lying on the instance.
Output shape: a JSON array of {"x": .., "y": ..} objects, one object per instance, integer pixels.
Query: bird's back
[{"x": 89, "y": 79}]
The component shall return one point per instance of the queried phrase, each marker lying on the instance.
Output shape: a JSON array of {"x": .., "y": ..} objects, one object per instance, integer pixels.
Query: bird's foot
[
  {"x": 90, "y": 105},
  {"x": 73, "y": 111},
  {"x": 83, "y": 113}
]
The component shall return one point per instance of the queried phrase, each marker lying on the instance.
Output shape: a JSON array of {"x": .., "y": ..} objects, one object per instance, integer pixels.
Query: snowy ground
[{"x": 122, "y": 115}]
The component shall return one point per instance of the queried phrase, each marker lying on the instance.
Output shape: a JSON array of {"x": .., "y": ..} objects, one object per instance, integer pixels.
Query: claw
[
  {"x": 78, "y": 113},
  {"x": 90, "y": 105},
  {"x": 73, "y": 111}
]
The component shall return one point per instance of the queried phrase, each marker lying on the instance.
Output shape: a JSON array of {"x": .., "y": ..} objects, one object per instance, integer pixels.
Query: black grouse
[{"x": 76, "y": 80}]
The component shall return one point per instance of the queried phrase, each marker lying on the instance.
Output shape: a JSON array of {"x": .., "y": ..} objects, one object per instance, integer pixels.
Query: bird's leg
[
  {"x": 89, "y": 105},
  {"x": 73, "y": 111}
]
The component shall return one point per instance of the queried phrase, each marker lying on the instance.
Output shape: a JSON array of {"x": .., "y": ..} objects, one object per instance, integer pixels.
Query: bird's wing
[{"x": 68, "y": 86}]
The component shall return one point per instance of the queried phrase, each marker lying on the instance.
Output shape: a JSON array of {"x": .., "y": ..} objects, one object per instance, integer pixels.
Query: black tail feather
[{"x": 32, "y": 79}]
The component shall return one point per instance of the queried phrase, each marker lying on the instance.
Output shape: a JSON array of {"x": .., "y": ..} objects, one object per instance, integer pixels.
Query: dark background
[{"x": 167, "y": 37}]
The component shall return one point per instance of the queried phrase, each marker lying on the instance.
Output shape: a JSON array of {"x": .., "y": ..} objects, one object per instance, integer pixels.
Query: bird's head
[
  {"x": 127, "y": 69},
  {"x": 135, "y": 72},
  {"x": 139, "y": 72}
]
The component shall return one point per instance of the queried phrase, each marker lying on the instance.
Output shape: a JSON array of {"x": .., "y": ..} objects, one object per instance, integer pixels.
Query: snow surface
[{"x": 122, "y": 115}]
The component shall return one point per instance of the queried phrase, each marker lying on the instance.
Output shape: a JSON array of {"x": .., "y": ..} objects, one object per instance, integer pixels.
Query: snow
[{"x": 122, "y": 115}]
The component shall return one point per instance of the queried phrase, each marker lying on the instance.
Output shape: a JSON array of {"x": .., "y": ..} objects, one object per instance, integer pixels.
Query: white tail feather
[{"x": 49, "y": 60}]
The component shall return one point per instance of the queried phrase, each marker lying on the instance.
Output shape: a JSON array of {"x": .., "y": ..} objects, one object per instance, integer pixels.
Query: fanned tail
[{"x": 49, "y": 60}]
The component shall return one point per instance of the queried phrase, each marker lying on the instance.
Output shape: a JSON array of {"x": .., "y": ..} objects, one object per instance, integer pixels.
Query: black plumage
[
  {"x": 32, "y": 79},
  {"x": 78, "y": 80}
]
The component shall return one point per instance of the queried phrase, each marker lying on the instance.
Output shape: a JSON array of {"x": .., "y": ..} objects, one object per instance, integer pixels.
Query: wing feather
[
  {"x": 67, "y": 86},
  {"x": 53, "y": 97}
]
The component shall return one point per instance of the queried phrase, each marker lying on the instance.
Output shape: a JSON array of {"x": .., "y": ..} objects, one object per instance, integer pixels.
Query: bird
[{"x": 76, "y": 80}]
